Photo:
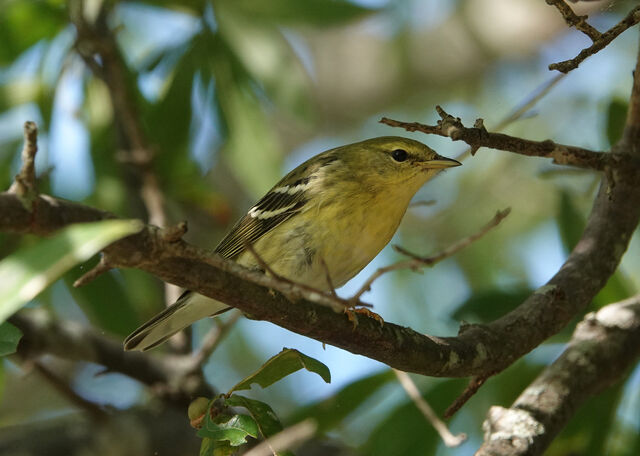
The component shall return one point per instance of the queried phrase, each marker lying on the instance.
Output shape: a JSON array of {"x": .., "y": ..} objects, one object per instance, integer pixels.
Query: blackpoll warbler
[{"x": 341, "y": 207}]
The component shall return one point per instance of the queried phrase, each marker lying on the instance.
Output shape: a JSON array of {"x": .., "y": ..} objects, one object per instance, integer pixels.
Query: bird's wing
[
  {"x": 285, "y": 199},
  {"x": 282, "y": 202}
]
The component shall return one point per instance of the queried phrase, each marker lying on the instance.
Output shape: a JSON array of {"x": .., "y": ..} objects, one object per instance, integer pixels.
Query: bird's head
[{"x": 391, "y": 161}]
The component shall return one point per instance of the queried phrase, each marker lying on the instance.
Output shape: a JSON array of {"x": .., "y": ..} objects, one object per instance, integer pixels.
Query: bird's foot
[{"x": 353, "y": 318}]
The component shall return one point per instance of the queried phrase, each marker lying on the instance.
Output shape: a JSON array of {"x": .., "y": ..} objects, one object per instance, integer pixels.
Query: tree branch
[
  {"x": 573, "y": 20},
  {"x": 603, "y": 346},
  {"x": 42, "y": 334},
  {"x": 24, "y": 184},
  {"x": 601, "y": 40},
  {"x": 476, "y": 351},
  {"x": 478, "y": 136}
]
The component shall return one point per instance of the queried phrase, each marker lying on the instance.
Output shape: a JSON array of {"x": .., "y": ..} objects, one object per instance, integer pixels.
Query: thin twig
[
  {"x": 410, "y": 388},
  {"x": 24, "y": 184},
  {"x": 416, "y": 262},
  {"x": 287, "y": 438},
  {"x": 472, "y": 388},
  {"x": 174, "y": 233},
  {"x": 93, "y": 273},
  {"x": 573, "y": 20},
  {"x": 561, "y": 154},
  {"x": 599, "y": 43}
]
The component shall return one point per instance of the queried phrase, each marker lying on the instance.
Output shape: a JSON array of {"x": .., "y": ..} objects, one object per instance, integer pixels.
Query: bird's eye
[{"x": 399, "y": 155}]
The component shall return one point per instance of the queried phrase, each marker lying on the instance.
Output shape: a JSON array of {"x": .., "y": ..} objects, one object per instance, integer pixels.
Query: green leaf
[
  {"x": 284, "y": 363},
  {"x": 263, "y": 414},
  {"x": 330, "y": 412},
  {"x": 616, "y": 117},
  {"x": 9, "y": 338},
  {"x": 27, "y": 272},
  {"x": 234, "y": 429},
  {"x": 307, "y": 12},
  {"x": 268, "y": 422},
  {"x": 207, "y": 447}
]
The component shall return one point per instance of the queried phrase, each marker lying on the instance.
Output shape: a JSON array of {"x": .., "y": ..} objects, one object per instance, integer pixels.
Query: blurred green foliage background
[{"x": 230, "y": 94}]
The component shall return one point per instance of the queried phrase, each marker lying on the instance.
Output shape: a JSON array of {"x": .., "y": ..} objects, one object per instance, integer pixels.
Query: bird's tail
[{"x": 189, "y": 308}]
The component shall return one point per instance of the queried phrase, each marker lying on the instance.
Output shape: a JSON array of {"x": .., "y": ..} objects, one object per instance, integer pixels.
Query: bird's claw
[{"x": 353, "y": 318}]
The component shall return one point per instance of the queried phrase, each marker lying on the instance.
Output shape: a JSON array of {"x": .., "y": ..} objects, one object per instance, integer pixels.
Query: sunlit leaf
[
  {"x": 9, "y": 338},
  {"x": 27, "y": 272},
  {"x": 284, "y": 363}
]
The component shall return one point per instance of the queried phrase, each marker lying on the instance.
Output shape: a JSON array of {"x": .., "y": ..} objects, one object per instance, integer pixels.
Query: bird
[{"x": 331, "y": 215}]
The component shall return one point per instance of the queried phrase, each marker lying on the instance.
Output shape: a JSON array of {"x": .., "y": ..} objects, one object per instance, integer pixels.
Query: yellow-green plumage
[{"x": 341, "y": 207}]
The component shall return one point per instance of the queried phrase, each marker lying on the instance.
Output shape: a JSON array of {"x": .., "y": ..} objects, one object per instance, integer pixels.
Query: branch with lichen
[{"x": 603, "y": 347}]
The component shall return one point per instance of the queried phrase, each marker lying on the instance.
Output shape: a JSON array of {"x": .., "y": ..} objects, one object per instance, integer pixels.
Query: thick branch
[
  {"x": 604, "y": 345},
  {"x": 478, "y": 136},
  {"x": 478, "y": 350}
]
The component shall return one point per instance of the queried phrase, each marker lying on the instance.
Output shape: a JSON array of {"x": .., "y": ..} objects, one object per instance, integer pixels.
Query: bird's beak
[{"x": 441, "y": 162}]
